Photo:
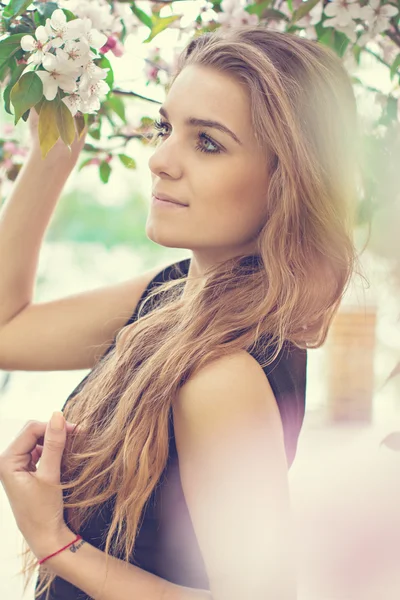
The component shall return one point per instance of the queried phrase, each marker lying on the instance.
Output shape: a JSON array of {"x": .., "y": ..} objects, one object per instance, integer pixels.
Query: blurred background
[{"x": 345, "y": 484}]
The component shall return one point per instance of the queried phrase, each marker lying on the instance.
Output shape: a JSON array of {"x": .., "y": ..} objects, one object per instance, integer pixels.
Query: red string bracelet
[{"x": 78, "y": 537}]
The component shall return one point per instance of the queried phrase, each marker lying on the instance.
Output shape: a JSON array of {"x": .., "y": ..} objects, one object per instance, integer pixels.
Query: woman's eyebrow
[{"x": 193, "y": 121}]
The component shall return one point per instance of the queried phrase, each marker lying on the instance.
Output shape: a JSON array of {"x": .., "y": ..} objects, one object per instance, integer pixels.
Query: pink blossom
[
  {"x": 118, "y": 49},
  {"x": 10, "y": 147},
  {"x": 109, "y": 45},
  {"x": 111, "y": 42},
  {"x": 114, "y": 45},
  {"x": 7, "y": 163}
]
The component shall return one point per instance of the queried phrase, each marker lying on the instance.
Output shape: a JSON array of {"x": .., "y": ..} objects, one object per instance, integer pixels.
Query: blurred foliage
[{"x": 84, "y": 219}]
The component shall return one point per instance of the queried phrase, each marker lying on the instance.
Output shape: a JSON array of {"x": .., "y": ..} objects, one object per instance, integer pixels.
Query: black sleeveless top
[{"x": 166, "y": 544}]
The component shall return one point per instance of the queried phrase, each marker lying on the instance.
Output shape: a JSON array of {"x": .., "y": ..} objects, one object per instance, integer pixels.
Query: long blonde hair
[{"x": 304, "y": 115}]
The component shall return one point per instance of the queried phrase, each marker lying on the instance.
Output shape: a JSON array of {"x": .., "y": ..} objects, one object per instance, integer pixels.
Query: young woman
[{"x": 176, "y": 477}]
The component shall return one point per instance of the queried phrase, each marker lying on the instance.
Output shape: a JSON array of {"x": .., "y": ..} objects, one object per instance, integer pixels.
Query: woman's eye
[
  {"x": 206, "y": 139},
  {"x": 159, "y": 127}
]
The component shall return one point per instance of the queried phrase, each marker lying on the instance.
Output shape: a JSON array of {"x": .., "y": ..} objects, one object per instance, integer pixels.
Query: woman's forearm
[
  {"x": 84, "y": 567},
  {"x": 24, "y": 218}
]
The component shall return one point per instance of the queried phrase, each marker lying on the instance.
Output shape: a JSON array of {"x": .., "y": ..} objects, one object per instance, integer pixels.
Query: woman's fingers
[
  {"x": 36, "y": 454},
  {"x": 30, "y": 435},
  {"x": 26, "y": 439}
]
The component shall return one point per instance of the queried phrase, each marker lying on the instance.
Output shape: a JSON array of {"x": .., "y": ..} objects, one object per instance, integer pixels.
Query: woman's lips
[{"x": 158, "y": 202}]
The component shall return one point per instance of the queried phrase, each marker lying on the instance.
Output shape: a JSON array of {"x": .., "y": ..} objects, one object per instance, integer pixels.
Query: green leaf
[
  {"x": 80, "y": 124},
  {"x": 356, "y": 80},
  {"x": 8, "y": 48},
  {"x": 109, "y": 118},
  {"x": 357, "y": 53},
  {"x": 16, "y": 71},
  {"x": 123, "y": 33},
  {"x": 105, "y": 64},
  {"x": 127, "y": 161},
  {"x": 258, "y": 8},
  {"x": 391, "y": 109},
  {"x": 141, "y": 15},
  {"x": 303, "y": 10},
  {"x": 95, "y": 133},
  {"x": 340, "y": 42},
  {"x": 395, "y": 66},
  {"x": 70, "y": 15},
  {"x": 328, "y": 37},
  {"x": 23, "y": 26},
  {"x": 146, "y": 121},
  {"x": 105, "y": 171},
  {"x": 47, "y": 129},
  {"x": 39, "y": 105},
  {"x": 89, "y": 118},
  {"x": 159, "y": 24},
  {"x": 38, "y": 18},
  {"x": 65, "y": 123},
  {"x": 46, "y": 9},
  {"x": 116, "y": 104},
  {"x": 84, "y": 163},
  {"x": 16, "y": 7},
  {"x": 4, "y": 70},
  {"x": 26, "y": 93},
  {"x": 90, "y": 148}
]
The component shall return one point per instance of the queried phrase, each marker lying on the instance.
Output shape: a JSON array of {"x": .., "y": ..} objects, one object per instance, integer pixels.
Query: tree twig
[
  {"x": 134, "y": 94},
  {"x": 376, "y": 56},
  {"x": 394, "y": 37}
]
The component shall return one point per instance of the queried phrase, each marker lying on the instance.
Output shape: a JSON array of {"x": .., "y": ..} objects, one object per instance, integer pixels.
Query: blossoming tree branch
[{"x": 53, "y": 58}]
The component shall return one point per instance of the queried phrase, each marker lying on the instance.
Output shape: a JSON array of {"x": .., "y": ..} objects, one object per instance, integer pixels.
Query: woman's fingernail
[{"x": 57, "y": 421}]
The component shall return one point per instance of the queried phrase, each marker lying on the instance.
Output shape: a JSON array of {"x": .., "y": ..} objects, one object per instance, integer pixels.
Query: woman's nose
[{"x": 166, "y": 158}]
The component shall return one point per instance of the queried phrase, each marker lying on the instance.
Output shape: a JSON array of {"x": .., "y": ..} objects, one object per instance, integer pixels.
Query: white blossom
[
  {"x": 105, "y": 18},
  {"x": 99, "y": 12},
  {"x": 91, "y": 94},
  {"x": 206, "y": 10},
  {"x": 233, "y": 14},
  {"x": 368, "y": 35},
  {"x": 60, "y": 30},
  {"x": 73, "y": 102},
  {"x": 57, "y": 75},
  {"x": 70, "y": 66},
  {"x": 377, "y": 19},
  {"x": 77, "y": 53},
  {"x": 242, "y": 17},
  {"x": 38, "y": 46},
  {"x": 313, "y": 17},
  {"x": 122, "y": 12},
  {"x": 378, "y": 15},
  {"x": 96, "y": 39},
  {"x": 388, "y": 47},
  {"x": 343, "y": 12},
  {"x": 92, "y": 87},
  {"x": 154, "y": 63},
  {"x": 229, "y": 6},
  {"x": 91, "y": 71}
]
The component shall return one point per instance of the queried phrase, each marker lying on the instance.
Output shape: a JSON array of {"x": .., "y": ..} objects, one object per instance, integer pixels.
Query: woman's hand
[
  {"x": 37, "y": 506},
  {"x": 59, "y": 151}
]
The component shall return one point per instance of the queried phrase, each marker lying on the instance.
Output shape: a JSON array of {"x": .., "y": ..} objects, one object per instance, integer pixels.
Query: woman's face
[{"x": 225, "y": 189}]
